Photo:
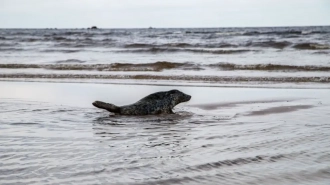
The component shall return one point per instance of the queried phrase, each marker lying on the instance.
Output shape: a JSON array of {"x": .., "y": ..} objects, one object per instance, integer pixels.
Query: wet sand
[
  {"x": 51, "y": 134},
  {"x": 82, "y": 94}
]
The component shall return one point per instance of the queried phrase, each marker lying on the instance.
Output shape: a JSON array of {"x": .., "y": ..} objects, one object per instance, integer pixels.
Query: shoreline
[
  {"x": 304, "y": 85},
  {"x": 121, "y": 93}
]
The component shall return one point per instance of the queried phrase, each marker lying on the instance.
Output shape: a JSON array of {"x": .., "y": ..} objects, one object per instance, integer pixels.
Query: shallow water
[{"x": 51, "y": 134}]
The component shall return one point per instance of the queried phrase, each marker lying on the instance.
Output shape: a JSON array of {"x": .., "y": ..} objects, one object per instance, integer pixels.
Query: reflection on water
[{"x": 46, "y": 143}]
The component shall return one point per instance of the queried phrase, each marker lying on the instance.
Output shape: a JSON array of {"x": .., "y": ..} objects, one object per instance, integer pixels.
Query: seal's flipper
[{"x": 107, "y": 106}]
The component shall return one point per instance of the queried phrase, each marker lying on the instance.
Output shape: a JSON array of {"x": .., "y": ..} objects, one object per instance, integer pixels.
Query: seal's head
[{"x": 178, "y": 97}]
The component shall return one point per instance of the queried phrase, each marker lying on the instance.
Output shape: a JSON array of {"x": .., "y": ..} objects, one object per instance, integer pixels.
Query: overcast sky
[{"x": 162, "y": 13}]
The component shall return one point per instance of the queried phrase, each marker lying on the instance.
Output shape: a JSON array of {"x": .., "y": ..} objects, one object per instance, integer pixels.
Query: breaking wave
[
  {"x": 271, "y": 44},
  {"x": 74, "y": 64},
  {"x": 58, "y": 39},
  {"x": 180, "y": 45},
  {"x": 211, "y": 79},
  {"x": 8, "y": 44},
  {"x": 193, "y": 40},
  {"x": 171, "y": 50},
  {"x": 270, "y": 67},
  {"x": 157, "y": 66},
  {"x": 70, "y": 61},
  {"x": 322, "y": 52},
  {"x": 141, "y": 45},
  {"x": 311, "y": 46},
  {"x": 62, "y": 50},
  {"x": 11, "y": 49},
  {"x": 252, "y": 33}
]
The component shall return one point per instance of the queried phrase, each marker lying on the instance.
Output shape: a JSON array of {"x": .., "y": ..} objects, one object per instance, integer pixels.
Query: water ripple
[{"x": 45, "y": 143}]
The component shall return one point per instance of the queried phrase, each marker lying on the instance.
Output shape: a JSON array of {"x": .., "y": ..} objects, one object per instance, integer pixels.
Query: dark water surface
[{"x": 50, "y": 134}]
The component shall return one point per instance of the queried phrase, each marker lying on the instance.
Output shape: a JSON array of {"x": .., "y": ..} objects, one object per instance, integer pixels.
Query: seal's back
[{"x": 156, "y": 103}]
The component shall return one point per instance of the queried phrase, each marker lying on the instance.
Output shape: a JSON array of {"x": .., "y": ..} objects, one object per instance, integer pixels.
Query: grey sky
[{"x": 162, "y": 13}]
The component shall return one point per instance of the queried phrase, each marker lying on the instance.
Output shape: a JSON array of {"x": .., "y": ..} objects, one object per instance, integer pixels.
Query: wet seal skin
[{"x": 156, "y": 103}]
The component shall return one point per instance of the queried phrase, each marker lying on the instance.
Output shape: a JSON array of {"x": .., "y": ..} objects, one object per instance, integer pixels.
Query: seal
[{"x": 156, "y": 103}]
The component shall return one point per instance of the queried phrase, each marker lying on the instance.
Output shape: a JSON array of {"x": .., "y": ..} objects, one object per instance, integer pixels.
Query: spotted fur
[{"x": 156, "y": 103}]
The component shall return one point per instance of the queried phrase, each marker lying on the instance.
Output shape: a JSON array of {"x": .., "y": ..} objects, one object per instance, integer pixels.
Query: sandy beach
[{"x": 51, "y": 134}]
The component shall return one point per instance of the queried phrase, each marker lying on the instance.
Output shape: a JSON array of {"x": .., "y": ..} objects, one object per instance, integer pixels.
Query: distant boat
[{"x": 150, "y": 27}]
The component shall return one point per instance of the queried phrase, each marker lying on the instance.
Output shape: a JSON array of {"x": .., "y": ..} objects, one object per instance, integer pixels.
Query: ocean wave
[
  {"x": 252, "y": 33},
  {"x": 163, "y": 65},
  {"x": 216, "y": 34},
  {"x": 70, "y": 61},
  {"x": 139, "y": 45},
  {"x": 172, "y": 50},
  {"x": 218, "y": 45},
  {"x": 76, "y": 44},
  {"x": 271, "y": 44},
  {"x": 8, "y": 44},
  {"x": 194, "y": 38},
  {"x": 72, "y": 33},
  {"x": 203, "y": 32},
  {"x": 81, "y": 32},
  {"x": 117, "y": 33},
  {"x": 30, "y": 40},
  {"x": 61, "y": 50},
  {"x": 156, "y": 66},
  {"x": 180, "y": 45},
  {"x": 58, "y": 39},
  {"x": 290, "y": 32},
  {"x": 209, "y": 79},
  {"x": 61, "y": 39},
  {"x": 270, "y": 67},
  {"x": 11, "y": 49},
  {"x": 322, "y": 53},
  {"x": 108, "y": 40},
  {"x": 224, "y": 51},
  {"x": 287, "y": 32},
  {"x": 151, "y": 50},
  {"x": 265, "y": 44},
  {"x": 142, "y": 45},
  {"x": 80, "y": 43},
  {"x": 311, "y": 46},
  {"x": 45, "y": 39}
]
